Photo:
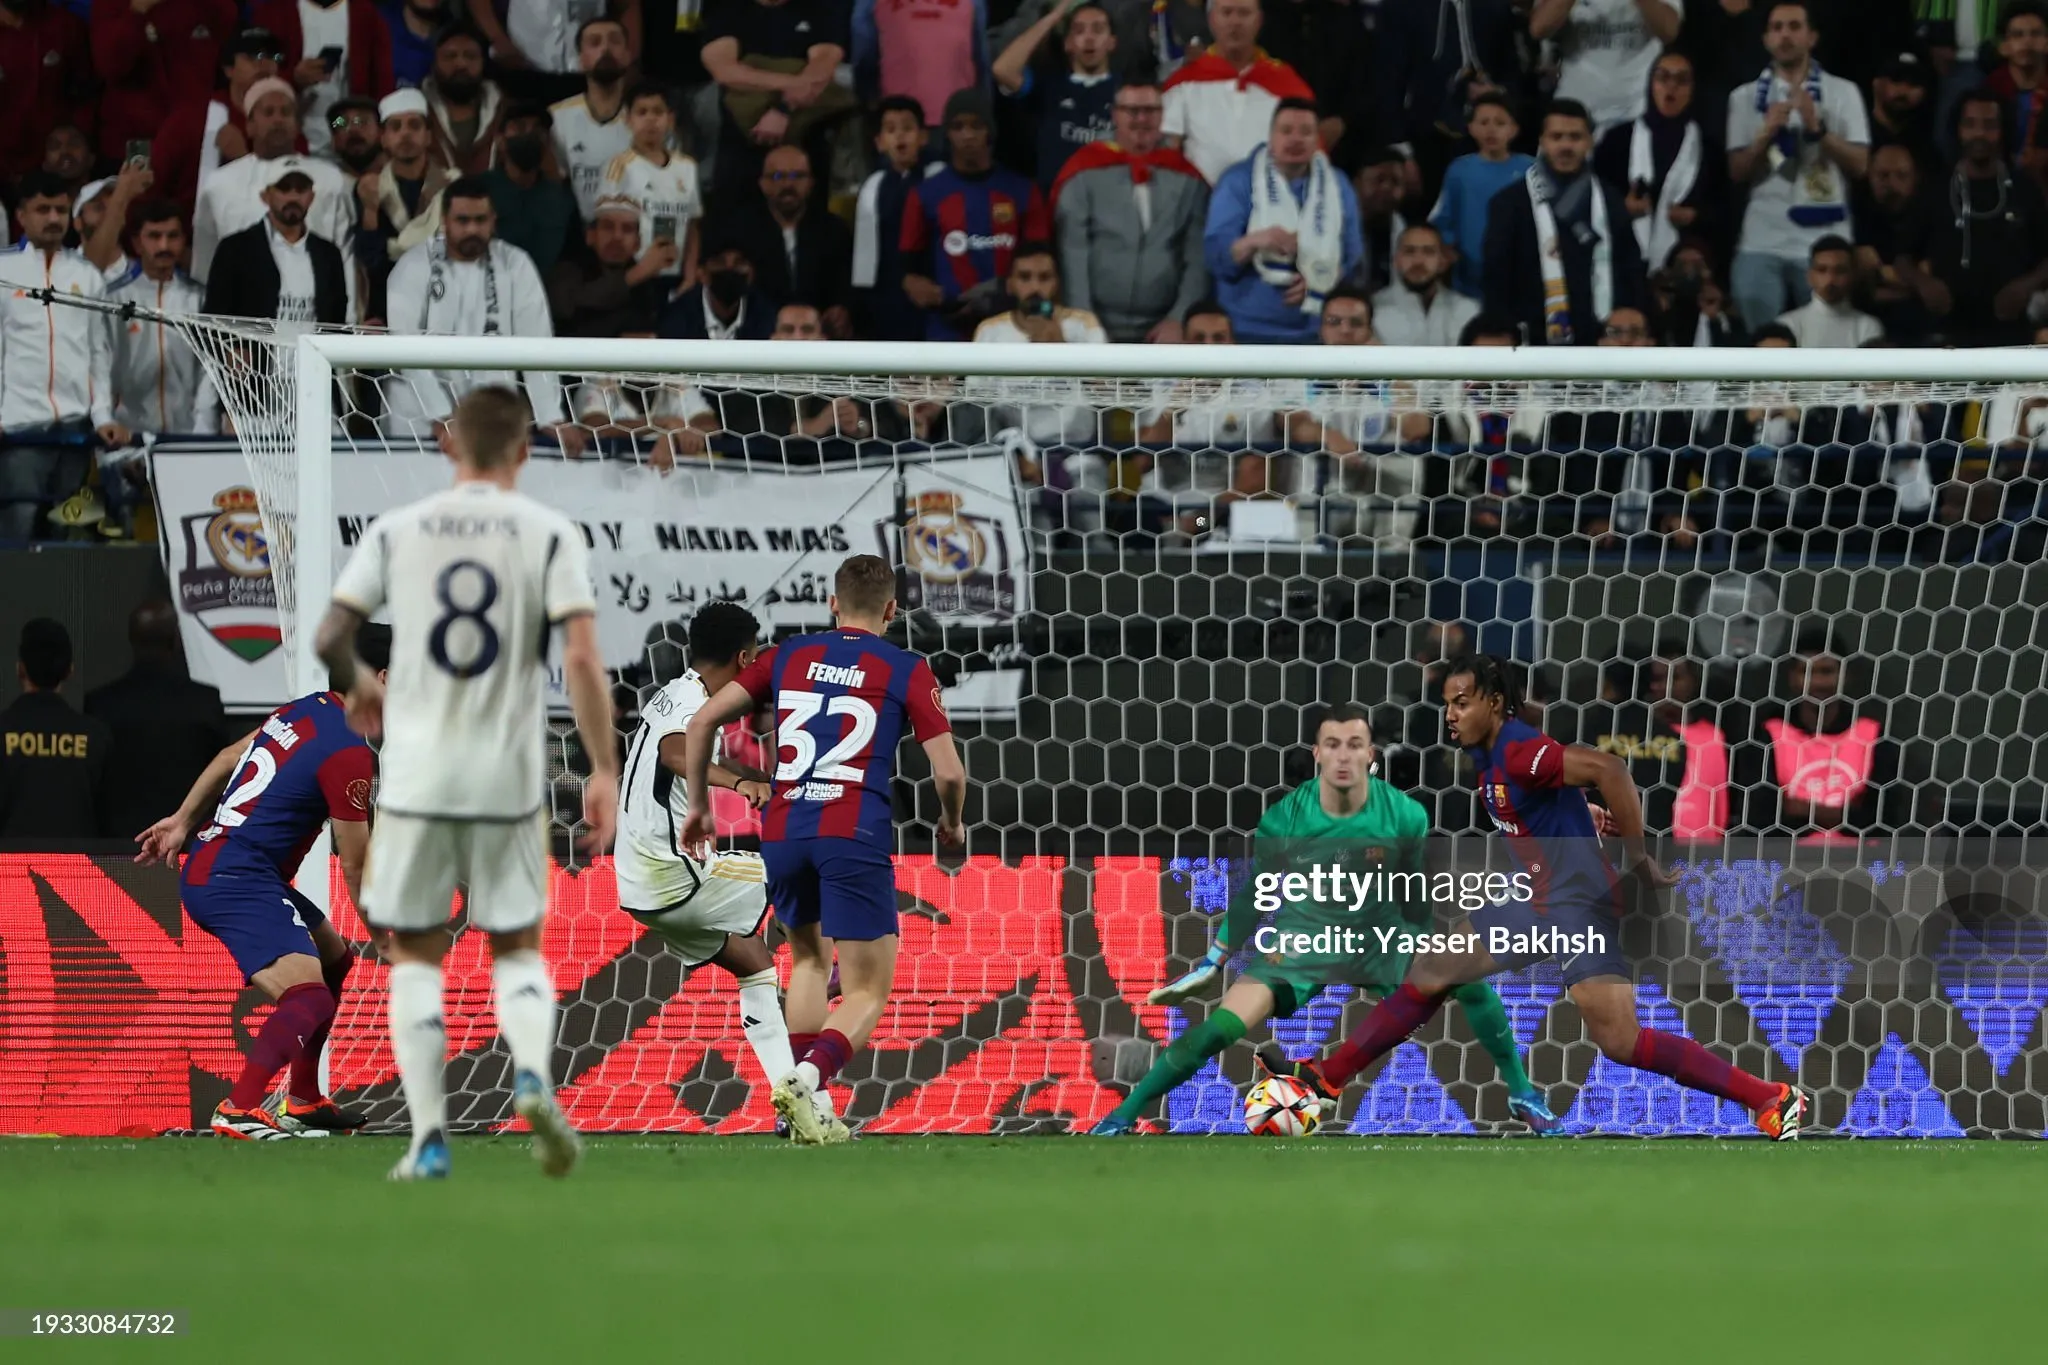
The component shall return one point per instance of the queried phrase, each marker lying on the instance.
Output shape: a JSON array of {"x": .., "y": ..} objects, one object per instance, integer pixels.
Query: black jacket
[
  {"x": 243, "y": 282},
  {"x": 53, "y": 767},
  {"x": 166, "y": 729},
  {"x": 824, "y": 258},
  {"x": 683, "y": 319},
  {"x": 1514, "y": 266}
]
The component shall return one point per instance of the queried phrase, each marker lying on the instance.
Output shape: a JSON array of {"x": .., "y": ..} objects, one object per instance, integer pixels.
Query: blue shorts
[
  {"x": 845, "y": 887},
  {"x": 1583, "y": 938},
  {"x": 259, "y": 919}
]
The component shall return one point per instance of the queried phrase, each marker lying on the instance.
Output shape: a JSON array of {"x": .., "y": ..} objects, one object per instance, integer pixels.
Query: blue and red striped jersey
[
  {"x": 1547, "y": 822},
  {"x": 303, "y": 768},
  {"x": 843, "y": 698},
  {"x": 961, "y": 230}
]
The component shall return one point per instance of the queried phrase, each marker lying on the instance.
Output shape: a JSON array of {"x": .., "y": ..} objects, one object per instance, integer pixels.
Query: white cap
[
  {"x": 405, "y": 101},
  {"x": 617, "y": 203},
  {"x": 92, "y": 192},
  {"x": 284, "y": 166}
]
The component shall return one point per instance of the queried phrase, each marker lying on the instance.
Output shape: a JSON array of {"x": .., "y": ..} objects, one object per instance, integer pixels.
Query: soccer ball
[{"x": 1281, "y": 1107}]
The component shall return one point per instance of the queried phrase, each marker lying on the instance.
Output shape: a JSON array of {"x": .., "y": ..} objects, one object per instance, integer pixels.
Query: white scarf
[
  {"x": 1317, "y": 223},
  {"x": 1558, "y": 323},
  {"x": 1655, "y": 232}
]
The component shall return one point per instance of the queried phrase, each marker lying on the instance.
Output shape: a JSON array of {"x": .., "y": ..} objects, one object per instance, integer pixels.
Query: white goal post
[{"x": 320, "y": 355}]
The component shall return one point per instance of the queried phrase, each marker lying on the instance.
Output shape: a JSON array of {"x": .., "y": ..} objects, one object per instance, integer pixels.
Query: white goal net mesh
[{"x": 1811, "y": 617}]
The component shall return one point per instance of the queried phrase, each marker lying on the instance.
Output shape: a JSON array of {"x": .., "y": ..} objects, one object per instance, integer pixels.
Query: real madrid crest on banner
[
  {"x": 226, "y": 583},
  {"x": 958, "y": 563}
]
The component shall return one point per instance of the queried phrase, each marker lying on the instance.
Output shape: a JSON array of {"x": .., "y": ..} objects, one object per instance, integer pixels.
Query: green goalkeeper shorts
[{"x": 1295, "y": 984}]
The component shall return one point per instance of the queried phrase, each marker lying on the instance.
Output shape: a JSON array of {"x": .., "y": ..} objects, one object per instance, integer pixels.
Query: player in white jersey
[
  {"x": 661, "y": 181},
  {"x": 709, "y": 910},
  {"x": 476, "y": 578}
]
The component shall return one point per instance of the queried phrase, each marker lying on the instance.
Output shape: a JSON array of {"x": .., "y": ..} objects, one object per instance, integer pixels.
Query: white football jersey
[
  {"x": 584, "y": 147},
  {"x": 661, "y": 191},
  {"x": 653, "y": 872},
  {"x": 476, "y": 579}
]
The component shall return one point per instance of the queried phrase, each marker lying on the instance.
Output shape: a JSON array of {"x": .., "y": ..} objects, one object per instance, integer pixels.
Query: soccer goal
[{"x": 1139, "y": 570}]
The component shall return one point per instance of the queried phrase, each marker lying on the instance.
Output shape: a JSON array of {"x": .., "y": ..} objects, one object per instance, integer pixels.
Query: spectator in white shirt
[
  {"x": 1797, "y": 138},
  {"x": 1220, "y": 105},
  {"x": 233, "y": 197},
  {"x": 1605, "y": 51},
  {"x": 1219, "y": 431},
  {"x": 1420, "y": 308},
  {"x": 159, "y": 384},
  {"x": 590, "y": 128},
  {"x": 536, "y": 46},
  {"x": 1828, "y": 318},
  {"x": 465, "y": 282},
  {"x": 1036, "y": 315},
  {"x": 56, "y": 391}
]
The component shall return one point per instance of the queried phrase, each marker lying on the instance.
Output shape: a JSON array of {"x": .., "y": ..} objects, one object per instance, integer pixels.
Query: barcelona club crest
[
  {"x": 959, "y": 564},
  {"x": 226, "y": 584}
]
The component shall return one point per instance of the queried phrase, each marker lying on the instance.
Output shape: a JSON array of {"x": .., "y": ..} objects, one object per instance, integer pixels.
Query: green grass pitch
[{"x": 1038, "y": 1250}]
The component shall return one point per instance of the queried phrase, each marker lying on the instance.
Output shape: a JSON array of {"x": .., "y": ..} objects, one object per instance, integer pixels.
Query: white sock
[
  {"x": 809, "y": 1072},
  {"x": 821, "y": 1100},
  {"x": 761, "y": 1017},
  {"x": 524, "y": 996},
  {"x": 419, "y": 1042}
]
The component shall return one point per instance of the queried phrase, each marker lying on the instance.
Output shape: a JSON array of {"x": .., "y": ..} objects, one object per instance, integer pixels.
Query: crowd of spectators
[{"x": 1438, "y": 172}]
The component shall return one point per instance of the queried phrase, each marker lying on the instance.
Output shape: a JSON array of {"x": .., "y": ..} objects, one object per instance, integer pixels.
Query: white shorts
[
  {"x": 731, "y": 898},
  {"x": 415, "y": 864}
]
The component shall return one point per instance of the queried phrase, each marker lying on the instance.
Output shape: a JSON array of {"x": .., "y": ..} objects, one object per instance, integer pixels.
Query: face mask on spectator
[
  {"x": 727, "y": 286},
  {"x": 524, "y": 151}
]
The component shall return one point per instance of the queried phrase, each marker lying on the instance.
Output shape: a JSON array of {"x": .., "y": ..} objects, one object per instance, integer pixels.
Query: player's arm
[
  {"x": 590, "y": 699},
  {"x": 724, "y": 773},
  {"x": 352, "y": 847},
  {"x": 161, "y": 841},
  {"x": 949, "y": 775},
  {"x": 1607, "y": 774},
  {"x": 925, "y": 705},
  {"x": 735, "y": 699}
]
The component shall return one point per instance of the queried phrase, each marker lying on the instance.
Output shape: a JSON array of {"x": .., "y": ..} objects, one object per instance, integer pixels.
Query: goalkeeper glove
[{"x": 1210, "y": 967}]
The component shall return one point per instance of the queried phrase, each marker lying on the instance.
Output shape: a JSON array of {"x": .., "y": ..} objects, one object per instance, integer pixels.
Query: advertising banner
[{"x": 659, "y": 544}]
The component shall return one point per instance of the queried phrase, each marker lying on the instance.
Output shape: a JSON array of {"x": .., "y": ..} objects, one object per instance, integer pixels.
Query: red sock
[
  {"x": 799, "y": 1044},
  {"x": 1392, "y": 1020},
  {"x": 828, "y": 1053},
  {"x": 300, "y": 1012},
  {"x": 1693, "y": 1066},
  {"x": 306, "y": 1066}
]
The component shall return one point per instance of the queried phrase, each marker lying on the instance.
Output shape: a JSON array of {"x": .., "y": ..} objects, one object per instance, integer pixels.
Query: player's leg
[
  {"x": 1607, "y": 1004},
  {"x": 855, "y": 900},
  {"x": 753, "y": 969},
  {"x": 408, "y": 892},
  {"x": 805, "y": 1007},
  {"x": 1431, "y": 979},
  {"x": 306, "y": 1105},
  {"x": 1489, "y": 1021},
  {"x": 508, "y": 900},
  {"x": 266, "y": 931},
  {"x": 1247, "y": 1004}
]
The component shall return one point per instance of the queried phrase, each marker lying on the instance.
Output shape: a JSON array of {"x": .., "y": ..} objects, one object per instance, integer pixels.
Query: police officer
[{"x": 53, "y": 761}]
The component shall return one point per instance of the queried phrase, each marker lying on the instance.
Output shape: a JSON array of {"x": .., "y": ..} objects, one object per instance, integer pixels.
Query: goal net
[{"x": 1800, "y": 595}]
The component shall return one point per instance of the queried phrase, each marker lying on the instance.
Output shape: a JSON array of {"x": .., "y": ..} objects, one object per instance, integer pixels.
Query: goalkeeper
[{"x": 1346, "y": 818}]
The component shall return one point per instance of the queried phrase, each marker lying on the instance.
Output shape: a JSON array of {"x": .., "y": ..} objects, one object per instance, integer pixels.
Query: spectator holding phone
[
  {"x": 331, "y": 48},
  {"x": 662, "y": 182}
]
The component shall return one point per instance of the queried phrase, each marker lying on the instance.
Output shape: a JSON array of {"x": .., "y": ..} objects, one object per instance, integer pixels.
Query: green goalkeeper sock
[
  {"x": 1182, "y": 1059},
  {"x": 1489, "y": 1021}
]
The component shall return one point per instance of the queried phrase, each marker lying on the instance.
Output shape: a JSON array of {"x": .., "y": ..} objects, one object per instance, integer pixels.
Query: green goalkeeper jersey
[{"x": 1324, "y": 887}]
